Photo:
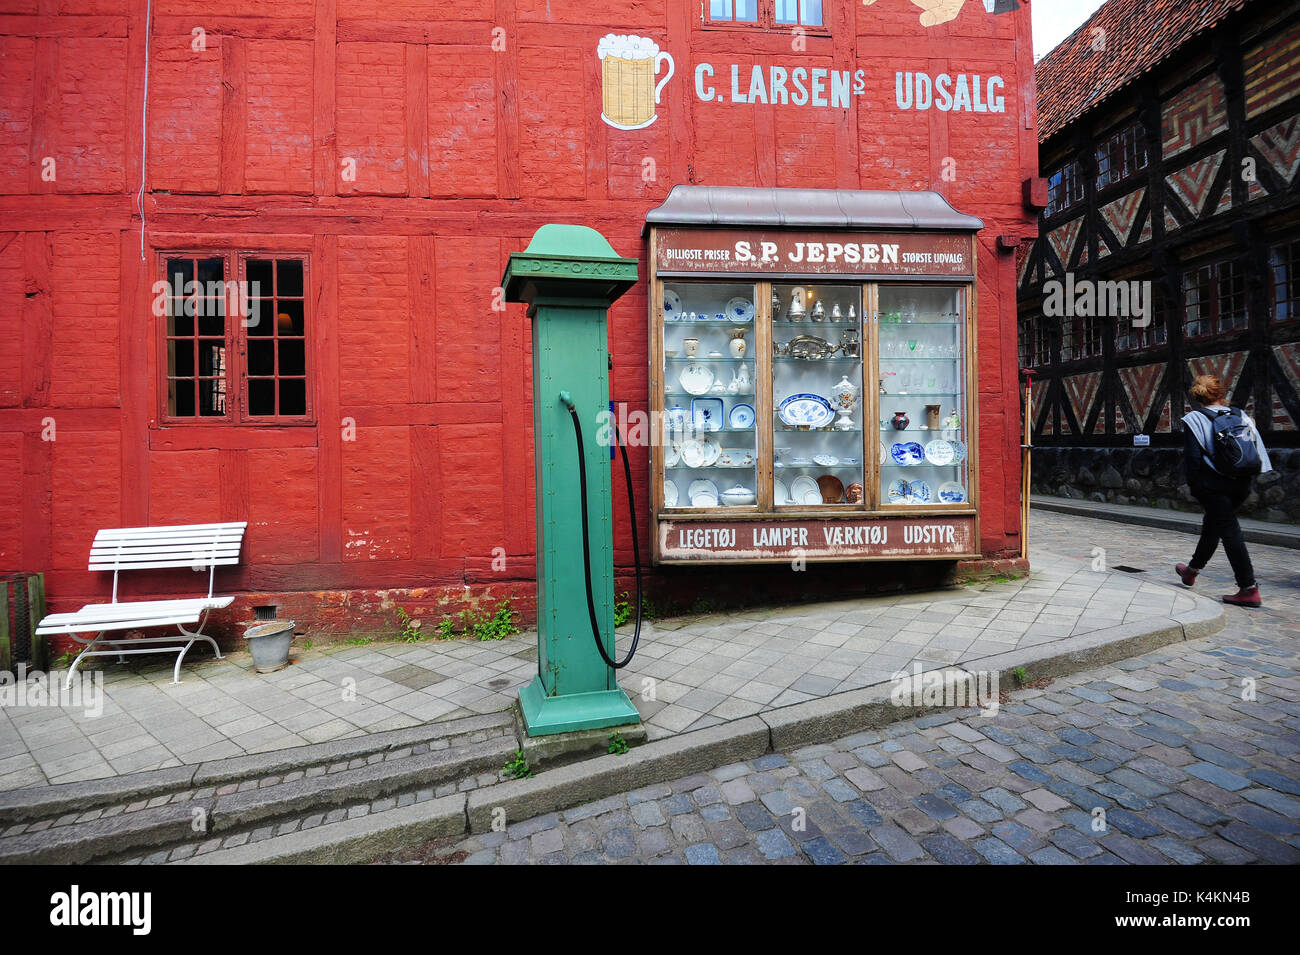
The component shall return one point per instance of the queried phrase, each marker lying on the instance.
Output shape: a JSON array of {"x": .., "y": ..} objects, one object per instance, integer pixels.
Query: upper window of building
[
  {"x": 1064, "y": 189},
  {"x": 1284, "y": 281},
  {"x": 1035, "y": 342},
  {"x": 1129, "y": 337},
  {"x": 234, "y": 338},
  {"x": 1214, "y": 300},
  {"x": 1121, "y": 156},
  {"x": 767, "y": 13}
]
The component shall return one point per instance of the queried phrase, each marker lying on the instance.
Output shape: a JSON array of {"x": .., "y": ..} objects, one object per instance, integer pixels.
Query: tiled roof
[{"x": 1138, "y": 34}]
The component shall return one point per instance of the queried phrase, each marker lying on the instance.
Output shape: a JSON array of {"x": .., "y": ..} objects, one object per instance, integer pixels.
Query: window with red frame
[
  {"x": 767, "y": 13},
  {"x": 234, "y": 338},
  {"x": 1215, "y": 300},
  {"x": 1284, "y": 282}
]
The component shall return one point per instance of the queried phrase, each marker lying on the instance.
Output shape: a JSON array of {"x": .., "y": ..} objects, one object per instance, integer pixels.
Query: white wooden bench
[{"x": 196, "y": 546}]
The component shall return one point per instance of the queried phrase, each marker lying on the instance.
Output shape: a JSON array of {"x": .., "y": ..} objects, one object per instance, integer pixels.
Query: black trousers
[{"x": 1221, "y": 497}]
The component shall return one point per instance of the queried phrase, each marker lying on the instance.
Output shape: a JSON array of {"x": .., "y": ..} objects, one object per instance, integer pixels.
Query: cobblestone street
[{"x": 1155, "y": 760}]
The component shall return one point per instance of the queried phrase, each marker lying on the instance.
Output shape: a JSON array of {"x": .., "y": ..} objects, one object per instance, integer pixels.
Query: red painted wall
[{"x": 462, "y": 148}]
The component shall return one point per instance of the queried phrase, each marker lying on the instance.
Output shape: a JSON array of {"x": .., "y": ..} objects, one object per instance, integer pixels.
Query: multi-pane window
[
  {"x": 1122, "y": 155},
  {"x": 1130, "y": 337},
  {"x": 1035, "y": 342},
  {"x": 1284, "y": 281},
  {"x": 1215, "y": 300},
  {"x": 1064, "y": 189},
  {"x": 1081, "y": 337},
  {"x": 768, "y": 13},
  {"x": 234, "y": 338}
]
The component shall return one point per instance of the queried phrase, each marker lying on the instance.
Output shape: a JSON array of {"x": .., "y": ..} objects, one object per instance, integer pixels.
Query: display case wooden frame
[{"x": 856, "y": 521}]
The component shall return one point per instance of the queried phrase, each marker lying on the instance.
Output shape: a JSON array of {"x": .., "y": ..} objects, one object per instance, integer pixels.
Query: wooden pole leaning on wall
[{"x": 1026, "y": 453}]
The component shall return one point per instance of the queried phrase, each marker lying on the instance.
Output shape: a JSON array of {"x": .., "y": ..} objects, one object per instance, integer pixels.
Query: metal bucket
[{"x": 269, "y": 644}]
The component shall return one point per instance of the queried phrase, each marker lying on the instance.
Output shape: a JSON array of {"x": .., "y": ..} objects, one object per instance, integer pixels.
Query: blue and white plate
[
  {"x": 950, "y": 492},
  {"x": 958, "y": 451},
  {"x": 900, "y": 491},
  {"x": 812, "y": 411},
  {"x": 907, "y": 453},
  {"x": 740, "y": 311},
  {"x": 672, "y": 306},
  {"x": 706, "y": 414},
  {"x": 742, "y": 417},
  {"x": 921, "y": 493}
]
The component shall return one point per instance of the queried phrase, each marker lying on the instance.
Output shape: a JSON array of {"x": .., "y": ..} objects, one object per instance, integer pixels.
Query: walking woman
[{"x": 1222, "y": 451}]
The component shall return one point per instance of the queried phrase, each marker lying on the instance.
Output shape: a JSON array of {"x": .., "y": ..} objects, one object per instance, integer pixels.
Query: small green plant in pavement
[
  {"x": 517, "y": 767},
  {"x": 622, "y": 609},
  {"x": 617, "y": 744},
  {"x": 1022, "y": 677},
  {"x": 410, "y": 628},
  {"x": 496, "y": 625},
  {"x": 446, "y": 629}
]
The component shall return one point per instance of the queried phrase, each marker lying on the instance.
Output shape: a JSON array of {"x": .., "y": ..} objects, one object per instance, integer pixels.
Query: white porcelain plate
[
  {"x": 704, "y": 493},
  {"x": 825, "y": 460},
  {"x": 921, "y": 493},
  {"x": 811, "y": 411},
  {"x": 701, "y": 452},
  {"x": 736, "y": 458},
  {"x": 672, "y": 454},
  {"x": 740, "y": 311},
  {"x": 672, "y": 306},
  {"x": 804, "y": 490},
  {"x": 696, "y": 379},
  {"x": 939, "y": 452},
  {"x": 670, "y": 494},
  {"x": 958, "y": 451}
]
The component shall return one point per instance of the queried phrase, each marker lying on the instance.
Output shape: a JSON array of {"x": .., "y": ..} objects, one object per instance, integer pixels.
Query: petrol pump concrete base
[{"x": 558, "y": 749}]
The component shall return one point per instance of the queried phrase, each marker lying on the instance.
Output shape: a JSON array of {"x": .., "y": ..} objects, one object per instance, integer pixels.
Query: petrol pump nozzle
[{"x": 566, "y": 399}]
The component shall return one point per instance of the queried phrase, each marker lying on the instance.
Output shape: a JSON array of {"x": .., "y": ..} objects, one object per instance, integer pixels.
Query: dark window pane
[
  {"x": 179, "y": 271},
  {"x": 180, "y": 401},
  {"x": 212, "y": 321},
  {"x": 288, "y": 273},
  {"x": 289, "y": 320},
  {"x": 211, "y": 270},
  {"x": 293, "y": 397},
  {"x": 180, "y": 359},
  {"x": 261, "y": 397},
  {"x": 293, "y": 358},
  {"x": 261, "y": 317},
  {"x": 259, "y": 271},
  {"x": 179, "y": 323},
  {"x": 261, "y": 357}
]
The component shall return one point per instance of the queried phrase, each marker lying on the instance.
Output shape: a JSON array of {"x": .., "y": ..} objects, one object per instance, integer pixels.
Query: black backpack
[{"x": 1234, "y": 452}]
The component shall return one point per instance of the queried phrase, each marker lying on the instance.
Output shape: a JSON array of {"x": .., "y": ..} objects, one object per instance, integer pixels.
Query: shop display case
[{"x": 820, "y": 414}]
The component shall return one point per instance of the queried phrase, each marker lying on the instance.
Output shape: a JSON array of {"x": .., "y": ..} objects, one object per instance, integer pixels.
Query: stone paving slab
[{"x": 702, "y": 671}]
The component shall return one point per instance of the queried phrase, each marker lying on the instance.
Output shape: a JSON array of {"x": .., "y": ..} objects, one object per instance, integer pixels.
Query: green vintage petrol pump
[{"x": 568, "y": 276}]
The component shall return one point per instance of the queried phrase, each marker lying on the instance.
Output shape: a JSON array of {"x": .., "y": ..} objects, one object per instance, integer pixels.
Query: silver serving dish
[{"x": 811, "y": 348}]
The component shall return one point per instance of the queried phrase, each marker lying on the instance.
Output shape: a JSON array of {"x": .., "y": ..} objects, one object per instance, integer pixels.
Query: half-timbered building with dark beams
[{"x": 1170, "y": 139}]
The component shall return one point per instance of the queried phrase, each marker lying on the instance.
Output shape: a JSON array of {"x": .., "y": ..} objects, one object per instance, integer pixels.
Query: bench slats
[
  {"x": 164, "y": 529},
  {"x": 128, "y": 624},
  {"x": 169, "y": 546}
]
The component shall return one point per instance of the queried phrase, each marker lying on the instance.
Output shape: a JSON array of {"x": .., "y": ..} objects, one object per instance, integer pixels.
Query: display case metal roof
[{"x": 858, "y": 209}]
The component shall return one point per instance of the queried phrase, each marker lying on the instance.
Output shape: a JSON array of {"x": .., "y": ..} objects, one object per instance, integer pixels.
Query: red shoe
[
  {"x": 1245, "y": 597},
  {"x": 1187, "y": 574}
]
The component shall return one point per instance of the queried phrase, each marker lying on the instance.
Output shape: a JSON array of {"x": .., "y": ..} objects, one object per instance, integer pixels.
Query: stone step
[
  {"x": 50, "y": 802},
  {"x": 119, "y": 818}
]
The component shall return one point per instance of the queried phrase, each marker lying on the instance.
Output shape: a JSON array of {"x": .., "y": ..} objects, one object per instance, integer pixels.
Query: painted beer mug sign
[{"x": 628, "y": 67}]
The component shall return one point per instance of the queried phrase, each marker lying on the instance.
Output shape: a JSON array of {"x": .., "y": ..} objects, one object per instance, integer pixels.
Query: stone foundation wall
[{"x": 1153, "y": 477}]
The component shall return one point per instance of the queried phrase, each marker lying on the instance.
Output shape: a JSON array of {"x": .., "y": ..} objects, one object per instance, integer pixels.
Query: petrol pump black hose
[{"x": 586, "y": 538}]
